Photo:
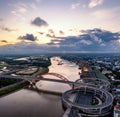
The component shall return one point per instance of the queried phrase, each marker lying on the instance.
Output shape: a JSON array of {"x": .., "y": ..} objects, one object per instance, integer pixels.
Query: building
[{"x": 117, "y": 110}]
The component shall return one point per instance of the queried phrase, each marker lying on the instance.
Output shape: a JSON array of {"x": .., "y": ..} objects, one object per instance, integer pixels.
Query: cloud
[
  {"x": 86, "y": 42},
  {"x": 4, "y": 41},
  {"x": 22, "y": 10},
  {"x": 99, "y": 35},
  {"x": 7, "y": 29},
  {"x": 19, "y": 9},
  {"x": 94, "y": 3},
  {"x": 39, "y": 22},
  {"x": 61, "y": 32},
  {"x": 104, "y": 14},
  {"x": 72, "y": 41},
  {"x": 41, "y": 33},
  {"x": 90, "y": 40},
  {"x": 75, "y": 5},
  {"x": 28, "y": 37},
  {"x": 51, "y": 36},
  {"x": 51, "y": 31},
  {"x": 54, "y": 37},
  {"x": 110, "y": 14},
  {"x": 100, "y": 41},
  {"x": 33, "y": 6},
  {"x": 26, "y": 48}
]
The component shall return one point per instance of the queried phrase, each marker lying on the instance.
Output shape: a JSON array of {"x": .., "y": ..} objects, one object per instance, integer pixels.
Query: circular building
[
  {"x": 94, "y": 82},
  {"x": 88, "y": 100}
]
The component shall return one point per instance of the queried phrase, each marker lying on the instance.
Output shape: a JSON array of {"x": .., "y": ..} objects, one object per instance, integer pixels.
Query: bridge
[
  {"x": 56, "y": 80},
  {"x": 39, "y": 77},
  {"x": 57, "y": 75},
  {"x": 87, "y": 87},
  {"x": 102, "y": 84},
  {"x": 81, "y": 100}
]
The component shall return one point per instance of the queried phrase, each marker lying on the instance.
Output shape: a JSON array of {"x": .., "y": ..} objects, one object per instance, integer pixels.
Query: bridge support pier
[{"x": 32, "y": 84}]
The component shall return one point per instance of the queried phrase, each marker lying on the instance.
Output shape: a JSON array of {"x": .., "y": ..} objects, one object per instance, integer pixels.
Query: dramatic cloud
[
  {"x": 71, "y": 41},
  {"x": 39, "y": 22},
  {"x": 75, "y": 5},
  {"x": 28, "y": 37},
  {"x": 90, "y": 40},
  {"x": 94, "y": 3},
  {"x": 95, "y": 40},
  {"x": 7, "y": 29}
]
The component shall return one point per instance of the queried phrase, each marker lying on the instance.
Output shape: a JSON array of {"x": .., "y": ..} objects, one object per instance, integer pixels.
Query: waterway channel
[{"x": 31, "y": 103}]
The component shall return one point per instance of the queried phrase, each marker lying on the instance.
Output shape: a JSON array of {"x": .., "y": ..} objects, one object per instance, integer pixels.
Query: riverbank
[
  {"x": 37, "y": 100},
  {"x": 14, "y": 87},
  {"x": 17, "y": 86},
  {"x": 68, "y": 70}
]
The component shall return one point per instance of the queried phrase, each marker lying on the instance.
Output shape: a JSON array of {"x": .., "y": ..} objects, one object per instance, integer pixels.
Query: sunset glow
[{"x": 59, "y": 22}]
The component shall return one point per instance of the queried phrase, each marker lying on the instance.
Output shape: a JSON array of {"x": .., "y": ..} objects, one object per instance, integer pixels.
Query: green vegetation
[
  {"x": 41, "y": 72},
  {"x": 29, "y": 72},
  {"x": 6, "y": 82},
  {"x": 15, "y": 63},
  {"x": 13, "y": 88},
  {"x": 36, "y": 61},
  {"x": 12, "y": 63}
]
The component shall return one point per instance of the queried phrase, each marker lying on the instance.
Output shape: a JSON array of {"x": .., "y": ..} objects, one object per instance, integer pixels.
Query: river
[
  {"x": 27, "y": 103},
  {"x": 31, "y": 103}
]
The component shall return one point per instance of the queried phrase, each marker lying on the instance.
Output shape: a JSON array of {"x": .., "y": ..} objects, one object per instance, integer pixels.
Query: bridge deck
[{"x": 56, "y": 80}]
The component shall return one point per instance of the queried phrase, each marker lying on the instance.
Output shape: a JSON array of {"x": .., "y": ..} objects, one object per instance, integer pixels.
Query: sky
[{"x": 48, "y": 26}]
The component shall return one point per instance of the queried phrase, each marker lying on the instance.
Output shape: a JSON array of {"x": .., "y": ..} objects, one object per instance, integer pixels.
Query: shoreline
[
  {"x": 13, "y": 88},
  {"x": 19, "y": 85}
]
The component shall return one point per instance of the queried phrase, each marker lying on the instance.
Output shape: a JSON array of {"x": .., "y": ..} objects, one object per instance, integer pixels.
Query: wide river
[{"x": 31, "y": 103}]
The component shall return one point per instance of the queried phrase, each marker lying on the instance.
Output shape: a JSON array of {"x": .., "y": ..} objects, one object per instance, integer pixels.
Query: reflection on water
[
  {"x": 68, "y": 69},
  {"x": 28, "y": 103}
]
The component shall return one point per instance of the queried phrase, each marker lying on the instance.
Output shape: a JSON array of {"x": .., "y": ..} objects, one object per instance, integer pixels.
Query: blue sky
[{"x": 59, "y": 25}]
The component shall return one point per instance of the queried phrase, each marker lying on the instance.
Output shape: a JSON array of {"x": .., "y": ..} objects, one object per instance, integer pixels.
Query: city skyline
[{"x": 43, "y": 26}]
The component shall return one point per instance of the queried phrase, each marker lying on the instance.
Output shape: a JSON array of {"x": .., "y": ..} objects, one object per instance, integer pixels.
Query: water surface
[{"x": 28, "y": 103}]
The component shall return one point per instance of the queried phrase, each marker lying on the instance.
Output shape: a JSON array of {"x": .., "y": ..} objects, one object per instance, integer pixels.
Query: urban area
[{"x": 60, "y": 85}]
